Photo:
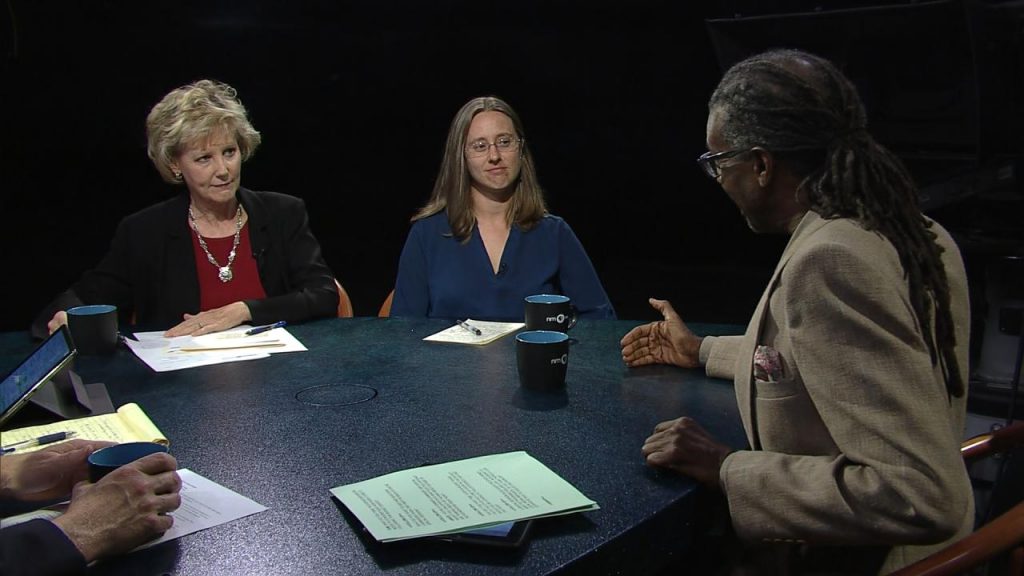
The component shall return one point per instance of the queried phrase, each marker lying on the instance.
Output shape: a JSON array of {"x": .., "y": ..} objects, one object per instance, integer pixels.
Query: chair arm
[{"x": 1004, "y": 533}]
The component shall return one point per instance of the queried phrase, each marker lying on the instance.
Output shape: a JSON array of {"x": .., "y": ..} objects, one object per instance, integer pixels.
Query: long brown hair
[{"x": 451, "y": 189}]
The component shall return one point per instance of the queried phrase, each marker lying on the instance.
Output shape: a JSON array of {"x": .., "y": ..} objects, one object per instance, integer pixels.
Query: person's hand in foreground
[
  {"x": 213, "y": 320},
  {"x": 683, "y": 446},
  {"x": 46, "y": 474},
  {"x": 667, "y": 341},
  {"x": 125, "y": 509},
  {"x": 59, "y": 319}
]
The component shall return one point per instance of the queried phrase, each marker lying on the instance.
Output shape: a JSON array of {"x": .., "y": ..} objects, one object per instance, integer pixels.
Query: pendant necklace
[{"x": 223, "y": 272}]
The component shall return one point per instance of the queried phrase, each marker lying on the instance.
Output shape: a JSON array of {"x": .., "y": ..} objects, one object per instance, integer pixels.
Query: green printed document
[{"x": 460, "y": 495}]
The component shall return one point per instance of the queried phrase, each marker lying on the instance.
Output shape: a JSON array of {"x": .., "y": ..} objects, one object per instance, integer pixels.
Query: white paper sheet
[
  {"x": 204, "y": 504},
  {"x": 166, "y": 354}
]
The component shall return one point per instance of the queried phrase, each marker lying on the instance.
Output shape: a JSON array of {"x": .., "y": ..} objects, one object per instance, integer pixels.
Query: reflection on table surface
[{"x": 370, "y": 397}]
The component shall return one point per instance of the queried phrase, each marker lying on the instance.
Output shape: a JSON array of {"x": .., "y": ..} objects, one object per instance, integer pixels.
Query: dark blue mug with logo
[
  {"x": 542, "y": 357},
  {"x": 549, "y": 312}
]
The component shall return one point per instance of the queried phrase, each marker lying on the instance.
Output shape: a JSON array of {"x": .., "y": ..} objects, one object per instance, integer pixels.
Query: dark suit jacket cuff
[{"x": 40, "y": 548}]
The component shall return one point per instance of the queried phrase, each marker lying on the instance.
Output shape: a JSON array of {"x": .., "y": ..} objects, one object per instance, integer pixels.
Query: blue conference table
[{"x": 370, "y": 397}]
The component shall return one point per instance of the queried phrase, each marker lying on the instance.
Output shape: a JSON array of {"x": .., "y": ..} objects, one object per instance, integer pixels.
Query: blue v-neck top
[{"x": 440, "y": 277}]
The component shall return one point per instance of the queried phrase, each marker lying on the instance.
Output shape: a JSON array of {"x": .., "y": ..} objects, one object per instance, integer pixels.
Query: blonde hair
[
  {"x": 191, "y": 113},
  {"x": 451, "y": 189}
]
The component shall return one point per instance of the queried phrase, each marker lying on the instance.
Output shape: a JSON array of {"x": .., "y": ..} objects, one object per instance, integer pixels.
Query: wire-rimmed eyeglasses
[
  {"x": 708, "y": 161},
  {"x": 503, "y": 143}
]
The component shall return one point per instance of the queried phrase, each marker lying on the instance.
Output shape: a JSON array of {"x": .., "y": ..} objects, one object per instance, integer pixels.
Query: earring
[{"x": 177, "y": 176}]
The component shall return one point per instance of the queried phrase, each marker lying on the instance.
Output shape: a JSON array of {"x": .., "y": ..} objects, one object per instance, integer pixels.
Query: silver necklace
[{"x": 223, "y": 272}]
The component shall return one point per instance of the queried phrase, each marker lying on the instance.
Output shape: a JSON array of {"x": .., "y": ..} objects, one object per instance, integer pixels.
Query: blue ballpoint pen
[
  {"x": 262, "y": 329},
  {"x": 40, "y": 441}
]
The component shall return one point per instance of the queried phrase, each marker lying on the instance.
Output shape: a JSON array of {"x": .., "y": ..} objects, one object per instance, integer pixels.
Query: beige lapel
[{"x": 810, "y": 223}]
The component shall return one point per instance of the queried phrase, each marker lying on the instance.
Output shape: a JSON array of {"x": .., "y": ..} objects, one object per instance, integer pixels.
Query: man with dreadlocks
[{"x": 851, "y": 375}]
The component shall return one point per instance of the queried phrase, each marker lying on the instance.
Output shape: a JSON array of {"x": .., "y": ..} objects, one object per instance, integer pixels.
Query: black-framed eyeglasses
[
  {"x": 708, "y": 161},
  {"x": 504, "y": 143}
]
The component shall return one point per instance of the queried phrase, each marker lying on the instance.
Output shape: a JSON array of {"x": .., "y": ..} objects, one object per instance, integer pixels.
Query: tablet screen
[
  {"x": 46, "y": 360},
  {"x": 497, "y": 531},
  {"x": 507, "y": 535}
]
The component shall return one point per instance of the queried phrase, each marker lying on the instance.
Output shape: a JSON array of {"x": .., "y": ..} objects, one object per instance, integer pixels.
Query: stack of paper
[
  {"x": 463, "y": 333},
  {"x": 165, "y": 354},
  {"x": 461, "y": 495}
]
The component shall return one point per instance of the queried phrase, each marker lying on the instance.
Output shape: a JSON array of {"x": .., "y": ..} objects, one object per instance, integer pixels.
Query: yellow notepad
[{"x": 128, "y": 424}]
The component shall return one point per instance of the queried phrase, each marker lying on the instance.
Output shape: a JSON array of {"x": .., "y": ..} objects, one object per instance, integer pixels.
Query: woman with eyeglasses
[
  {"x": 485, "y": 240},
  {"x": 216, "y": 255}
]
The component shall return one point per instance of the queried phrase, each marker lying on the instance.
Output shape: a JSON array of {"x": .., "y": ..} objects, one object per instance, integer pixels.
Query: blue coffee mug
[{"x": 106, "y": 460}]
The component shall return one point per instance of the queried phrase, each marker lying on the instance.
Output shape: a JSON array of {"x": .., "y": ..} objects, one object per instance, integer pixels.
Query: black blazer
[{"x": 150, "y": 269}]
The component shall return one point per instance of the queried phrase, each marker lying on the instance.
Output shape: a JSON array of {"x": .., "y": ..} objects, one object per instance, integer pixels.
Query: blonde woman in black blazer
[{"x": 218, "y": 255}]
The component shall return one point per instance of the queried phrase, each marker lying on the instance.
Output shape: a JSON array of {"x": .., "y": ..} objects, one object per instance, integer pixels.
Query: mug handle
[{"x": 573, "y": 317}]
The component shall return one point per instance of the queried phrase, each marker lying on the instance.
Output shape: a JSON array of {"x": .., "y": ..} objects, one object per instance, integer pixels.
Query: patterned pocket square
[{"x": 767, "y": 364}]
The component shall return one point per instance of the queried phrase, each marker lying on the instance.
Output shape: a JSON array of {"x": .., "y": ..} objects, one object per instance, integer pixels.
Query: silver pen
[{"x": 470, "y": 327}]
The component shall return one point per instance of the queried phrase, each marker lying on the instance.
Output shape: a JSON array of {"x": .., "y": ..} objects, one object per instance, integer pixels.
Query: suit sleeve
[
  {"x": 721, "y": 352},
  {"x": 578, "y": 280},
  {"x": 38, "y": 548},
  {"x": 412, "y": 290},
  {"x": 311, "y": 292},
  {"x": 898, "y": 477}
]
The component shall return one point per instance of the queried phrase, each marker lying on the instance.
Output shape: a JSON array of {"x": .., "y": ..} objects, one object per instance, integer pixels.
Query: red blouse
[{"x": 245, "y": 283}]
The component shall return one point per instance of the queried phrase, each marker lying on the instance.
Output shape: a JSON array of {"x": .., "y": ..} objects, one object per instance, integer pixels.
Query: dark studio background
[{"x": 354, "y": 100}]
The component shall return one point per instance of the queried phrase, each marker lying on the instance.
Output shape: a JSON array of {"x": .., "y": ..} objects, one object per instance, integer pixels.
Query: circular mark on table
[{"x": 335, "y": 394}]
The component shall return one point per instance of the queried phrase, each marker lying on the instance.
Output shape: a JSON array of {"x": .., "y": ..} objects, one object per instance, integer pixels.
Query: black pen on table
[
  {"x": 470, "y": 327},
  {"x": 40, "y": 441},
  {"x": 265, "y": 328}
]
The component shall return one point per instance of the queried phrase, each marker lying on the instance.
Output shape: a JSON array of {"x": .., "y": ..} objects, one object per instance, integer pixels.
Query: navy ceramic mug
[
  {"x": 549, "y": 312},
  {"x": 106, "y": 460},
  {"x": 542, "y": 357},
  {"x": 93, "y": 328}
]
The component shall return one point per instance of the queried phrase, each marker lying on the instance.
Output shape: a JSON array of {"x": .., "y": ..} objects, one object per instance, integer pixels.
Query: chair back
[
  {"x": 344, "y": 302},
  {"x": 385, "y": 308},
  {"x": 1002, "y": 440},
  {"x": 1002, "y": 535}
]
